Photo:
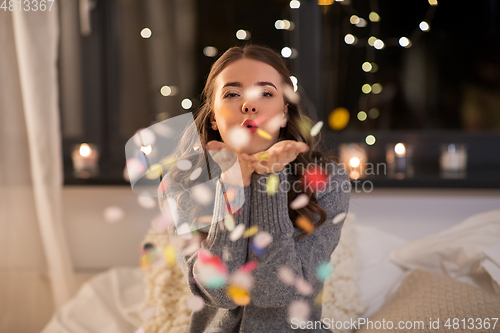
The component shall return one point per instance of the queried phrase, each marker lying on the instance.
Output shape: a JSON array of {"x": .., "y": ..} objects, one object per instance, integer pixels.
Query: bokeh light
[
  {"x": 169, "y": 90},
  {"x": 362, "y": 23},
  {"x": 404, "y": 42},
  {"x": 376, "y": 88},
  {"x": 339, "y": 118},
  {"x": 424, "y": 26},
  {"x": 374, "y": 17},
  {"x": 370, "y": 140},
  {"x": 294, "y": 4},
  {"x": 433, "y": 2},
  {"x": 366, "y": 66},
  {"x": 371, "y": 40},
  {"x": 243, "y": 34},
  {"x": 354, "y": 19},
  {"x": 210, "y": 51},
  {"x": 373, "y": 113},
  {"x": 378, "y": 44},
  {"x": 286, "y": 52},
  {"x": 349, "y": 39},
  {"x": 366, "y": 88},
  {"x": 362, "y": 115},
  {"x": 186, "y": 104},
  {"x": 146, "y": 33}
]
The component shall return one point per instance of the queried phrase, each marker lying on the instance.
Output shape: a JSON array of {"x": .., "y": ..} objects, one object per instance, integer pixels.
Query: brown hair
[{"x": 297, "y": 129}]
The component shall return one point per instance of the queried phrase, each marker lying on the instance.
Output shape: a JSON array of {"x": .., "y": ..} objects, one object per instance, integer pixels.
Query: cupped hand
[
  {"x": 225, "y": 157},
  {"x": 278, "y": 156}
]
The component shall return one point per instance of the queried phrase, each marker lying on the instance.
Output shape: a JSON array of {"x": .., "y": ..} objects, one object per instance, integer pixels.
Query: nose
[{"x": 249, "y": 107}]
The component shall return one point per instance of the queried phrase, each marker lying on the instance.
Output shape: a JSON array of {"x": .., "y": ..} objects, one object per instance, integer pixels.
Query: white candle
[{"x": 85, "y": 160}]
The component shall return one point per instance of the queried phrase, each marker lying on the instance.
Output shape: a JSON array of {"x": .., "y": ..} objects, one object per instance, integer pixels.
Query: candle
[
  {"x": 399, "y": 160},
  {"x": 353, "y": 158},
  {"x": 85, "y": 160},
  {"x": 453, "y": 160}
]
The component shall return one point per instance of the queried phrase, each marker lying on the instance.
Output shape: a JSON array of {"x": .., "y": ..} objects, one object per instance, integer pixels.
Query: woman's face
[{"x": 248, "y": 93}]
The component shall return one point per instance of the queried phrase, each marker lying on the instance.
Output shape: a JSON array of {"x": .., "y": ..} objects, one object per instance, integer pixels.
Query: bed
[{"x": 378, "y": 275}]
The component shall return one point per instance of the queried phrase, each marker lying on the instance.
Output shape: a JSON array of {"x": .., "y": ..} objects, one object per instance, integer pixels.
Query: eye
[
  {"x": 267, "y": 94},
  {"x": 230, "y": 95}
]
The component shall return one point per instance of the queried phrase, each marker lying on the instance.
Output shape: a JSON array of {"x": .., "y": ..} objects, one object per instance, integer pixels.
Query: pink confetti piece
[
  {"x": 299, "y": 310},
  {"x": 113, "y": 214},
  {"x": 242, "y": 279},
  {"x": 202, "y": 194},
  {"x": 146, "y": 202},
  {"x": 259, "y": 119},
  {"x": 249, "y": 266},
  {"x": 238, "y": 137},
  {"x": 303, "y": 287},
  {"x": 300, "y": 201},
  {"x": 195, "y": 174},
  {"x": 237, "y": 232},
  {"x": 286, "y": 275},
  {"x": 195, "y": 303},
  {"x": 161, "y": 223},
  {"x": 262, "y": 239},
  {"x": 184, "y": 165}
]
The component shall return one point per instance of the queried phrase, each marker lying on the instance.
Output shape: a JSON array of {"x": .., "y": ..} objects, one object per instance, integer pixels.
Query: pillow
[
  {"x": 433, "y": 298},
  {"x": 468, "y": 252}
]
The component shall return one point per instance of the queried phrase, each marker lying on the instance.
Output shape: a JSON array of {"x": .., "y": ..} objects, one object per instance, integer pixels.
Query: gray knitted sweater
[{"x": 270, "y": 297}]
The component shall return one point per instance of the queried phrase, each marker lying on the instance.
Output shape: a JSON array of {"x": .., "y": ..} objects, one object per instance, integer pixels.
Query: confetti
[
  {"x": 146, "y": 202},
  {"x": 299, "y": 310},
  {"x": 242, "y": 279},
  {"x": 250, "y": 231},
  {"x": 202, "y": 194},
  {"x": 339, "y": 218},
  {"x": 144, "y": 137},
  {"x": 259, "y": 119},
  {"x": 304, "y": 224},
  {"x": 195, "y": 174},
  {"x": 319, "y": 298},
  {"x": 144, "y": 261},
  {"x": 249, "y": 266},
  {"x": 229, "y": 222},
  {"x": 238, "y": 137},
  {"x": 314, "y": 178},
  {"x": 147, "y": 313},
  {"x": 259, "y": 251},
  {"x": 184, "y": 230},
  {"x": 286, "y": 275},
  {"x": 264, "y": 134},
  {"x": 140, "y": 330},
  {"x": 195, "y": 303},
  {"x": 299, "y": 202},
  {"x": 237, "y": 232},
  {"x": 134, "y": 169},
  {"x": 291, "y": 95},
  {"x": 316, "y": 128},
  {"x": 263, "y": 156},
  {"x": 262, "y": 239},
  {"x": 163, "y": 130},
  {"x": 163, "y": 186},
  {"x": 230, "y": 194},
  {"x": 184, "y": 165},
  {"x": 170, "y": 255},
  {"x": 239, "y": 295},
  {"x": 324, "y": 270},
  {"x": 191, "y": 249},
  {"x": 275, "y": 122},
  {"x": 253, "y": 93},
  {"x": 113, "y": 214},
  {"x": 272, "y": 184},
  {"x": 303, "y": 287},
  {"x": 226, "y": 255}
]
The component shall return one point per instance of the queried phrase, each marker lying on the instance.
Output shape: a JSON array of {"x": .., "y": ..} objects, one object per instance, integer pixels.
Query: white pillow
[{"x": 468, "y": 252}]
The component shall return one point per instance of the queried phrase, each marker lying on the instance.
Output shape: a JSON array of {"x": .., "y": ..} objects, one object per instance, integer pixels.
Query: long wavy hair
[{"x": 297, "y": 128}]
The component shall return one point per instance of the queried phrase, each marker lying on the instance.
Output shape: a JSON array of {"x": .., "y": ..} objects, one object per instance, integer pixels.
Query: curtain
[{"x": 33, "y": 248}]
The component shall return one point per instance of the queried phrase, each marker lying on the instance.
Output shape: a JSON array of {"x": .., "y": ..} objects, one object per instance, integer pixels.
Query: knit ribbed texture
[{"x": 270, "y": 297}]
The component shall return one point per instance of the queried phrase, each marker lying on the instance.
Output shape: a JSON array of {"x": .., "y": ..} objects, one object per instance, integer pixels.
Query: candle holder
[
  {"x": 85, "y": 160},
  {"x": 399, "y": 159},
  {"x": 453, "y": 160},
  {"x": 353, "y": 157}
]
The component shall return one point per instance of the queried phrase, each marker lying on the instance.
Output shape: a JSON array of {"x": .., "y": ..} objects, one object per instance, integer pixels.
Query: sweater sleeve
[
  {"x": 270, "y": 213},
  {"x": 217, "y": 242}
]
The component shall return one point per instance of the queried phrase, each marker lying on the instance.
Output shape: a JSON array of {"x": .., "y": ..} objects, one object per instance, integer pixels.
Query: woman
[{"x": 268, "y": 275}]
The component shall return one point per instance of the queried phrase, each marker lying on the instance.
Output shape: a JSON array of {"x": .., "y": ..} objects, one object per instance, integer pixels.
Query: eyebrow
[{"x": 260, "y": 83}]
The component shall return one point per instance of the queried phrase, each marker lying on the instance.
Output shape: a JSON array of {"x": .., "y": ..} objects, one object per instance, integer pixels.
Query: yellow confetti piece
[
  {"x": 154, "y": 171},
  {"x": 229, "y": 222},
  {"x": 272, "y": 184},
  {"x": 239, "y": 295},
  {"x": 264, "y": 134},
  {"x": 170, "y": 255},
  {"x": 304, "y": 224},
  {"x": 265, "y": 155},
  {"x": 251, "y": 231},
  {"x": 319, "y": 299},
  {"x": 144, "y": 261}
]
